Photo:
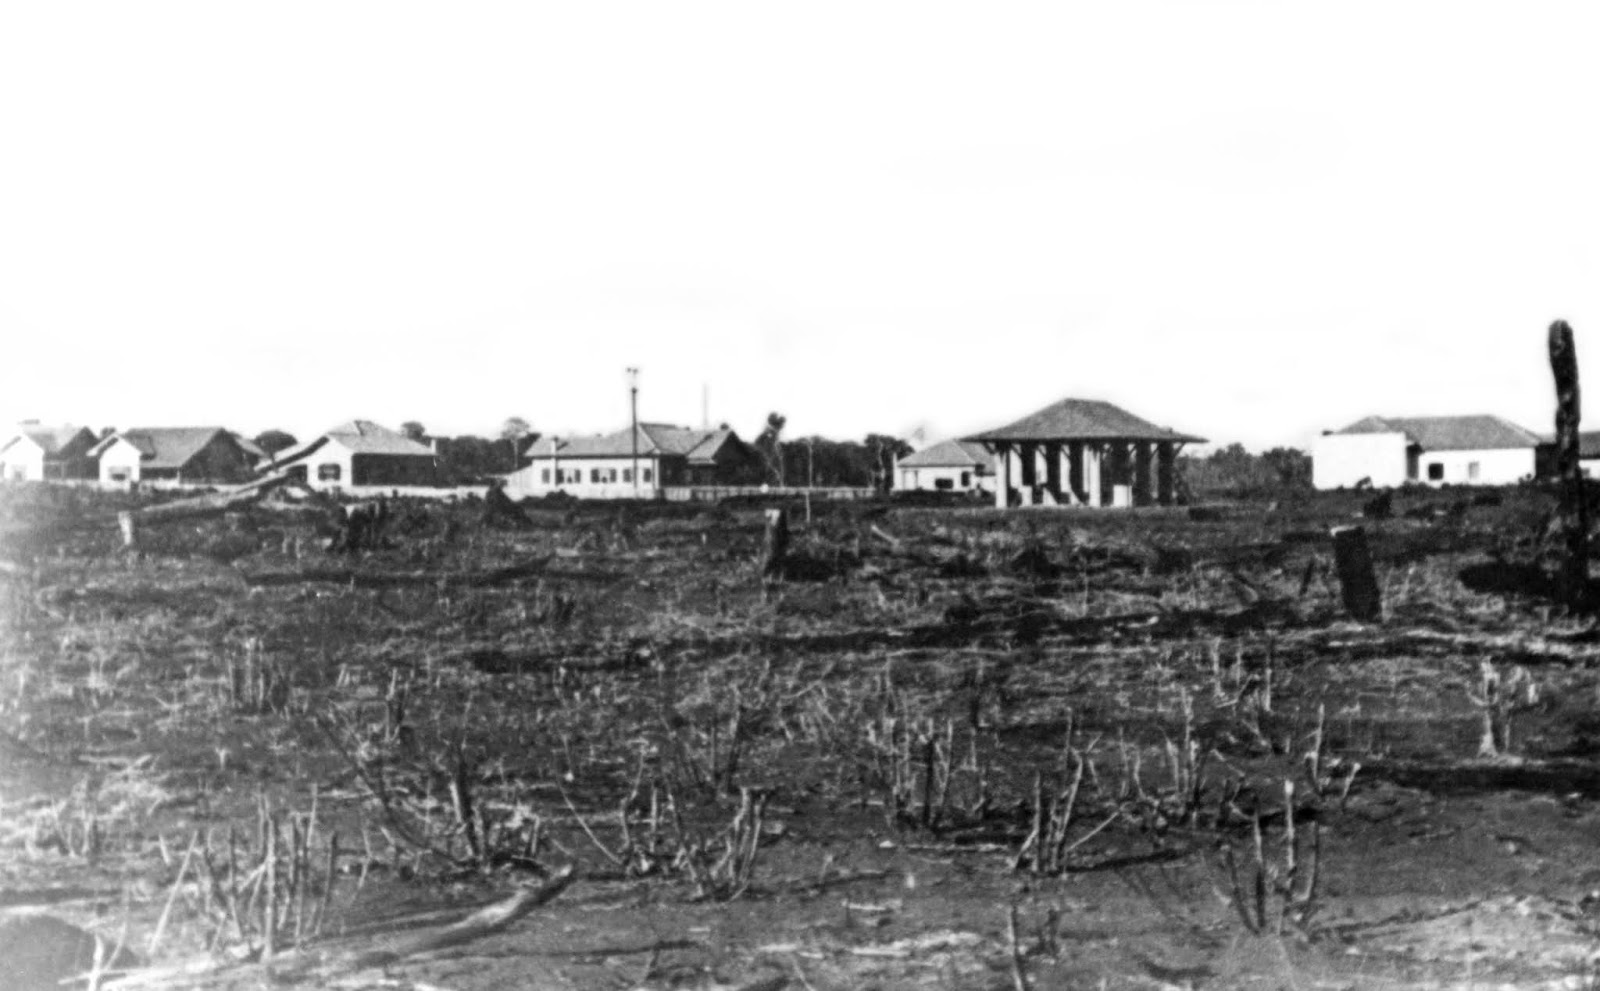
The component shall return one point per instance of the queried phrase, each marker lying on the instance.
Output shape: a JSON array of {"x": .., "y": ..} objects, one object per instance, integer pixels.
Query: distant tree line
[{"x": 1234, "y": 471}]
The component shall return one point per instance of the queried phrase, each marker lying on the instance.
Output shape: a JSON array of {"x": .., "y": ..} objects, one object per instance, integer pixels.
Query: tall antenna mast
[{"x": 633, "y": 403}]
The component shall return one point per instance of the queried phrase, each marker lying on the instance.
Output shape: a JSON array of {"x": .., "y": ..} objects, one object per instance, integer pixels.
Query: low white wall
[
  {"x": 1342, "y": 460},
  {"x": 927, "y": 480},
  {"x": 1498, "y": 467}
]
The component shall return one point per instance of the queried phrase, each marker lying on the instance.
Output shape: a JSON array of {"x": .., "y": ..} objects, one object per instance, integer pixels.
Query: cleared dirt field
[{"x": 951, "y": 749}]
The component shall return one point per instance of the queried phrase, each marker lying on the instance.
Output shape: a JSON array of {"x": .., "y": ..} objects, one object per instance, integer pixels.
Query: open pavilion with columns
[{"x": 1084, "y": 452}]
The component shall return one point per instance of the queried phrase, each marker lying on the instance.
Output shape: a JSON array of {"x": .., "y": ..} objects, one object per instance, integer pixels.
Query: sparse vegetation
[{"x": 1102, "y": 719}]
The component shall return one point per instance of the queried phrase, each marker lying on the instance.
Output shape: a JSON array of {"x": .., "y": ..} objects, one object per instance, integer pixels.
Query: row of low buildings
[
  {"x": 361, "y": 456},
  {"x": 355, "y": 456},
  {"x": 1381, "y": 452},
  {"x": 1072, "y": 452}
]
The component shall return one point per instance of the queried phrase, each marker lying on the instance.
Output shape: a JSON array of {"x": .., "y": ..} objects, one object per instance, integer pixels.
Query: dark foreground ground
[{"x": 952, "y": 749}]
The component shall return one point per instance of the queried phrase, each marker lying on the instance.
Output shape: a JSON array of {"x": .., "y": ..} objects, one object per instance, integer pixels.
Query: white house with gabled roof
[
  {"x": 38, "y": 453},
  {"x": 175, "y": 456},
  {"x": 949, "y": 466},
  {"x": 1390, "y": 451},
  {"x": 359, "y": 457}
]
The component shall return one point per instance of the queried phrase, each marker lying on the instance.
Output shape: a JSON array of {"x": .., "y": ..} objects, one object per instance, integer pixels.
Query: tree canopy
[{"x": 273, "y": 441}]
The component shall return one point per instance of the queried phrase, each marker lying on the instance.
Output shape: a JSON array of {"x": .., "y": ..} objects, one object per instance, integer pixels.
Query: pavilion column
[
  {"x": 1166, "y": 472},
  {"x": 1028, "y": 471},
  {"x": 1093, "y": 461},
  {"x": 1143, "y": 470},
  {"x": 1053, "y": 456},
  {"x": 1121, "y": 468},
  {"x": 1028, "y": 454},
  {"x": 1075, "y": 472},
  {"x": 1002, "y": 476}
]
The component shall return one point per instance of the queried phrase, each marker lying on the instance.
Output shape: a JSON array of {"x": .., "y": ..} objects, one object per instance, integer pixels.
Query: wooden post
[
  {"x": 1075, "y": 482},
  {"x": 1574, "y": 515},
  {"x": 1358, "y": 585}
]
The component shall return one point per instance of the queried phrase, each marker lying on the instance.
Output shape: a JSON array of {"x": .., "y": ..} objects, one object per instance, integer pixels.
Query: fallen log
[
  {"x": 325, "y": 965},
  {"x": 484, "y": 922},
  {"x": 213, "y": 504}
]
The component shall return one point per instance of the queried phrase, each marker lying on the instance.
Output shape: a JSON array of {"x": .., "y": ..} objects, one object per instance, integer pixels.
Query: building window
[
  {"x": 328, "y": 473},
  {"x": 627, "y": 474},
  {"x": 611, "y": 475},
  {"x": 944, "y": 484},
  {"x": 644, "y": 475},
  {"x": 544, "y": 476},
  {"x": 966, "y": 479},
  {"x": 594, "y": 476},
  {"x": 118, "y": 474},
  {"x": 1436, "y": 472},
  {"x": 1472, "y": 470}
]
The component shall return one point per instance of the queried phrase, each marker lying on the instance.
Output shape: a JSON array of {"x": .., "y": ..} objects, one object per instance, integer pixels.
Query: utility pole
[{"x": 633, "y": 397}]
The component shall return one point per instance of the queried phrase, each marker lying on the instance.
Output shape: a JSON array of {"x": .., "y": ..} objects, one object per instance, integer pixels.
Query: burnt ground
[{"x": 825, "y": 782}]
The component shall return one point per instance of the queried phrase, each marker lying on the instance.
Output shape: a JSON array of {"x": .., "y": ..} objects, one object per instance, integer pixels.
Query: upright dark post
[
  {"x": 1574, "y": 579},
  {"x": 633, "y": 402},
  {"x": 1357, "y": 584}
]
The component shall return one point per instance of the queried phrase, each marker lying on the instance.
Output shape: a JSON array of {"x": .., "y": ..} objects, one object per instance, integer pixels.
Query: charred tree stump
[
  {"x": 1357, "y": 583},
  {"x": 1573, "y": 580},
  {"x": 498, "y": 508},
  {"x": 775, "y": 545}
]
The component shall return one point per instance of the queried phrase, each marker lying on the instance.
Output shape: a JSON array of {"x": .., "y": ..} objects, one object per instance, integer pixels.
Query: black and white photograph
[{"x": 723, "y": 495}]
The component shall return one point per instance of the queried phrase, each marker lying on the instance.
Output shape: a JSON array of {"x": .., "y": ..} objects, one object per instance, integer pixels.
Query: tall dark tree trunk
[{"x": 1574, "y": 577}]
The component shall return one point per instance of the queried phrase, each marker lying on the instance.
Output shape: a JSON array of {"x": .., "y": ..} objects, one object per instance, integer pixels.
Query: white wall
[
  {"x": 331, "y": 453},
  {"x": 578, "y": 478},
  {"x": 120, "y": 458},
  {"x": 1502, "y": 467},
  {"x": 1342, "y": 460},
  {"x": 23, "y": 461},
  {"x": 926, "y": 480}
]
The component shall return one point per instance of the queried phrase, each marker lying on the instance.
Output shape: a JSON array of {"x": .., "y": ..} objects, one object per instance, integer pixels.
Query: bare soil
[{"x": 828, "y": 781}]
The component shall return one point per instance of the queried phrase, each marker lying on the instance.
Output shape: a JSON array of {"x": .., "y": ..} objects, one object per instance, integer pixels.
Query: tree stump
[
  {"x": 1573, "y": 580},
  {"x": 1357, "y": 583},
  {"x": 775, "y": 545}
]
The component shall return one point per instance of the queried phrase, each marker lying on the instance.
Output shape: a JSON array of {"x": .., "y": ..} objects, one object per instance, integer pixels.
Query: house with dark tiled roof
[
  {"x": 1388, "y": 451},
  {"x": 358, "y": 456},
  {"x": 38, "y": 453},
  {"x": 175, "y": 456},
  {"x": 1084, "y": 452},
  {"x": 949, "y": 466},
  {"x": 632, "y": 464}
]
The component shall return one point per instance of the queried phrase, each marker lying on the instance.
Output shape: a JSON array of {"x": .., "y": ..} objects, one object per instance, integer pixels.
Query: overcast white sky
[{"x": 1250, "y": 221}]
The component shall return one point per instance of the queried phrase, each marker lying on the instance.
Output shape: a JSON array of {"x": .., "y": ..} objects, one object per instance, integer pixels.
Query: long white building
[{"x": 1431, "y": 450}]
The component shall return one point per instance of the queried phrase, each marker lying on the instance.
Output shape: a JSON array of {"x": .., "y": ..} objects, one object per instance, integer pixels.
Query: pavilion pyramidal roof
[{"x": 1083, "y": 420}]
